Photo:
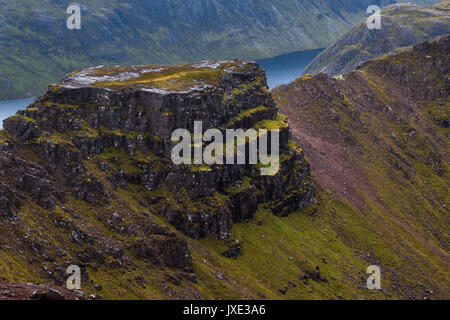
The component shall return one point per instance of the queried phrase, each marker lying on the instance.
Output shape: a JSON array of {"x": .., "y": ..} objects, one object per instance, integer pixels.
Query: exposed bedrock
[{"x": 106, "y": 128}]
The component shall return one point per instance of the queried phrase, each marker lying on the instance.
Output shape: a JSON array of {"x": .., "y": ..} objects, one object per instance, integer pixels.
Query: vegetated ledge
[{"x": 105, "y": 132}]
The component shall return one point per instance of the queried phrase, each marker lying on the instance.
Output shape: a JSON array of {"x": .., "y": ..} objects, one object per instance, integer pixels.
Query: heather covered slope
[
  {"x": 36, "y": 49},
  {"x": 402, "y": 25},
  {"x": 85, "y": 179},
  {"x": 378, "y": 140}
]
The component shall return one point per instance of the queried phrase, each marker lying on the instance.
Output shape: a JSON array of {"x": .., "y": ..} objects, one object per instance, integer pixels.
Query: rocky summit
[
  {"x": 98, "y": 112},
  {"x": 87, "y": 178}
]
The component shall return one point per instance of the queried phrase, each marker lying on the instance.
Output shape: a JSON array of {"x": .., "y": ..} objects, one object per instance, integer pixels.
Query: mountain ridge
[{"x": 378, "y": 139}]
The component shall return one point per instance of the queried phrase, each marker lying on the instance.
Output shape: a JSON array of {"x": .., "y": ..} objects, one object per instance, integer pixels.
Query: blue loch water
[
  {"x": 10, "y": 107},
  {"x": 288, "y": 67}
]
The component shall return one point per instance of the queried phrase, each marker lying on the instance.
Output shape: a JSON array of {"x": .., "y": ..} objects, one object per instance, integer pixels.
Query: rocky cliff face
[
  {"x": 99, "y": 110},
  {"x": 403, "y": 25},
  {"x": 159, "y": 31},
  {"x": 378, "y": 139},
  {"x": 90, "y": 160}
]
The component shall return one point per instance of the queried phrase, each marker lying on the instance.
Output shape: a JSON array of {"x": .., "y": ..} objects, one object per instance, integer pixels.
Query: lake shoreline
[
  {"x": 285, "y": 68},
  {"x": 280, "y": 70}
]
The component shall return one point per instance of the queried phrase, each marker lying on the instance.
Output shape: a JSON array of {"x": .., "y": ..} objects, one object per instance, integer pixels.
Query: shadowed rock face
[
  {"x": 136, "y": 109},
  {"x": 402, "y": 25},
  {"x": 98, "y": 145}
]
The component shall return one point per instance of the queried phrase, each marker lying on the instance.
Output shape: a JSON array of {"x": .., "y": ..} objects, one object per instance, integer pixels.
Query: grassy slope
[
  {"x": 383, "y": 173},
  {"x": 337, "y": 237}
]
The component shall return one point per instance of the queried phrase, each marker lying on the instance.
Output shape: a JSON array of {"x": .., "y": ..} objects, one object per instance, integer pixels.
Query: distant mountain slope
[
  {"x": 379, "y": 139},
  {"x": 403, "y": 25},
  {"x": 37, "y": 49},
  {"x": 442, "y": 6}
]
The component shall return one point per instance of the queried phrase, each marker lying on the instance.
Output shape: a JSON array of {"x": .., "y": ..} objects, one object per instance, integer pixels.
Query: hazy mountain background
[
  {"x": 36, "y": 48},
  {"x": 403, "y": 25}
]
